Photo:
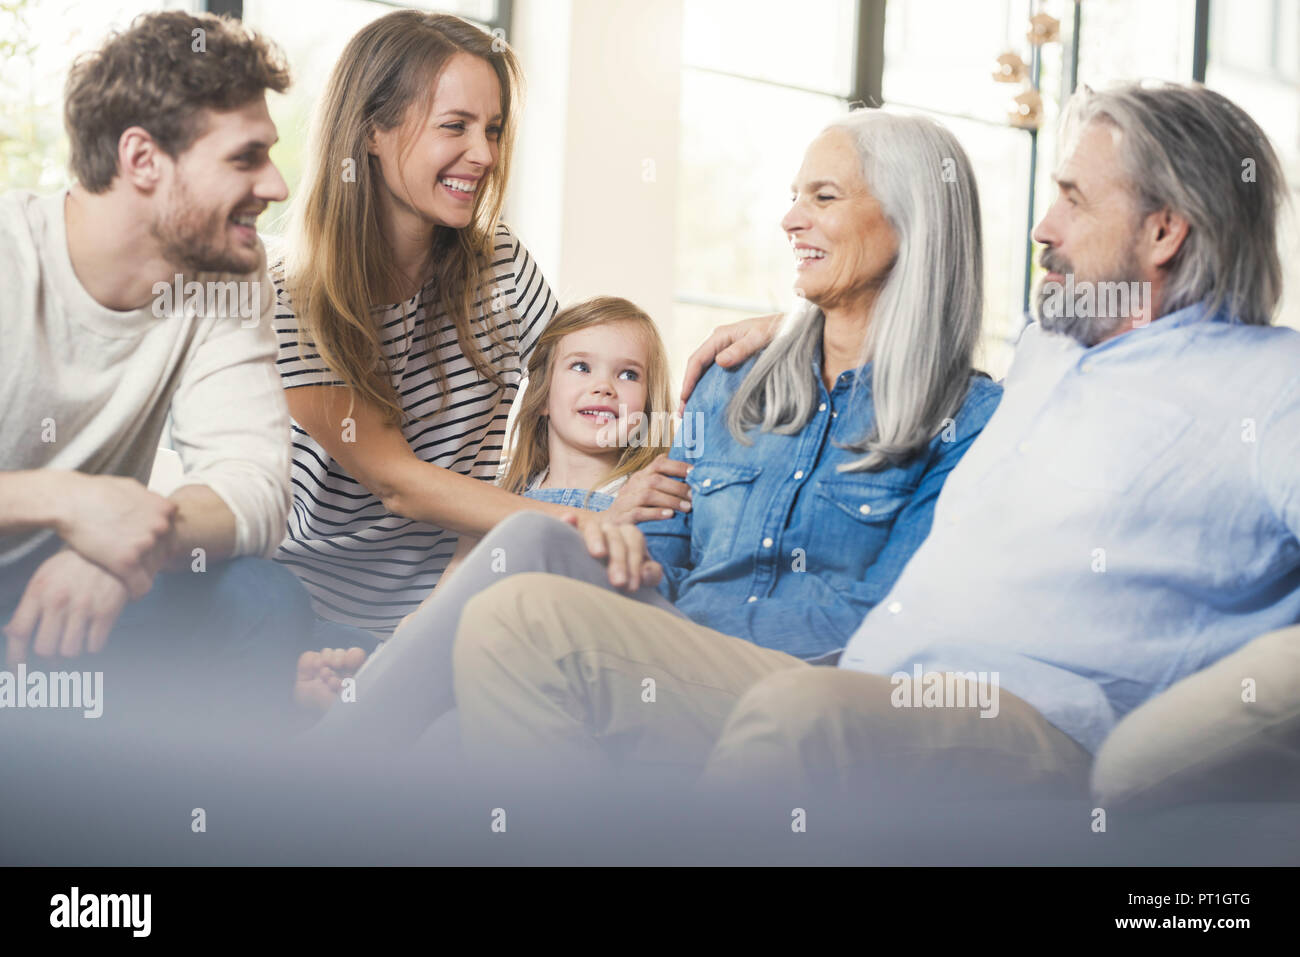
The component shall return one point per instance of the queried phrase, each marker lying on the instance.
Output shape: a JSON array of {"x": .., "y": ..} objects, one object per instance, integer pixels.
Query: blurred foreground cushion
[{"x": 1228, "y": 732}]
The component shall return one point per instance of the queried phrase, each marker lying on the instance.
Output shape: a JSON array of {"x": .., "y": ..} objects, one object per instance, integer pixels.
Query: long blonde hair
[
  {"x": 530, "y": 451},
  {"x": 339, "y": 259}
]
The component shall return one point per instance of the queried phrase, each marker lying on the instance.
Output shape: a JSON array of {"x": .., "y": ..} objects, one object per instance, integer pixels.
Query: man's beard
[
  {"x": 1055, "y": 314},
  {"x": 193, "y": 238}
]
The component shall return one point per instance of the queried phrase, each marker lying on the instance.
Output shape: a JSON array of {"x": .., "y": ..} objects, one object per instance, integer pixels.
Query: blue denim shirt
[
  {"x": 572, "y": 497},
  {"x": 1130, "y": 516},
  {"x": 781, "y": 549}
]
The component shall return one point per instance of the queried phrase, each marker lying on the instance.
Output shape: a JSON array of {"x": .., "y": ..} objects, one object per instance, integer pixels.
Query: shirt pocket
[
  {"x": 719, "y": 492},
  {"x": 854, "y": 519},
  {"x": 1115, "y": 440}
]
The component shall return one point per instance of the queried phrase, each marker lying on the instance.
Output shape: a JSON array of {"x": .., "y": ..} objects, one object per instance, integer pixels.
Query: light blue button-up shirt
[
  {"x": 782, "y": 549},
  {"x": 1128, "y": 516}
]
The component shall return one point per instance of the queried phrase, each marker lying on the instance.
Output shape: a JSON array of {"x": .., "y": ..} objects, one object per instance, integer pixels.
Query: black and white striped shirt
[{"x": 363, "y": 565}]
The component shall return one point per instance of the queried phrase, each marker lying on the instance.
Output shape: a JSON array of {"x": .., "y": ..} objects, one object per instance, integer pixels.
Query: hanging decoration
[{"x": 1025, "y": 109}]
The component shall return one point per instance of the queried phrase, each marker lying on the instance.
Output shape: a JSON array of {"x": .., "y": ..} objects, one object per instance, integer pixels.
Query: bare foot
[{"x": 321, "y": 674}]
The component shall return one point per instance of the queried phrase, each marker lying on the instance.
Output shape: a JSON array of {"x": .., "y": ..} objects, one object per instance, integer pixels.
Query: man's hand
[
  {"x": 655, "y": 492},
  {"x": 70, "y": 604},
  {"x": 118, "y": 524},
  {"x": 728, "y": 345},
  {"x": 621, "y": 547}
]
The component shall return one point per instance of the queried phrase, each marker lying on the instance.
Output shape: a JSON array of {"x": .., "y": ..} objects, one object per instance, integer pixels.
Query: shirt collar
[
  {"x": 860, "y": 376},
  {"x": 1196, "y": 312},
  {"x": 1188, "y": 315}
]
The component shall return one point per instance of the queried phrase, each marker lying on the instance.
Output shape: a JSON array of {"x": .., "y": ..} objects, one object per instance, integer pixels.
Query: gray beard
[{"x": 1086, "y": 330}]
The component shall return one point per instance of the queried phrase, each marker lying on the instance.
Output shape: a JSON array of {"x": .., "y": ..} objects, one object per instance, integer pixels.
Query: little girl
[{"x": 596, "y": 409}]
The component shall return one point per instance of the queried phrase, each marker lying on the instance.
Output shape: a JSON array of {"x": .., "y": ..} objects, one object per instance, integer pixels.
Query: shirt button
[
  {"x": 1085, "y": 367},
  {"x": 752, "y": 598},
  {"x": 707, "y": 482},
  {"x": 798, "y": 474},
  {"x": 864, "y": 509},
  {"x": 767, "y": 543},
  {"x": 822, "y": 407},
  {"x": 1023, "y": 447},
  {"x": 895, "y": 607}
]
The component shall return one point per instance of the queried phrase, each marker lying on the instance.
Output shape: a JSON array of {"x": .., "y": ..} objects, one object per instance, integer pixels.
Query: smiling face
[
  {"x": 215, "y": 190},
  {"x": 432, "y": 166},
  {"x": 597, "y": 381},
  {"x": 843, "y": 243},
  {"x": 1090, "y": 232}
]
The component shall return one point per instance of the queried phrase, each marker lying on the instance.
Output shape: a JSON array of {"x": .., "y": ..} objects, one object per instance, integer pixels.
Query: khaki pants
[{"x": 559, "y": 673}]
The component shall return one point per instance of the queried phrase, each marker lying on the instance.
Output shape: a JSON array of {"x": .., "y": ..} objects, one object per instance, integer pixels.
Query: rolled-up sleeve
[{"x": 230, "y": 423}]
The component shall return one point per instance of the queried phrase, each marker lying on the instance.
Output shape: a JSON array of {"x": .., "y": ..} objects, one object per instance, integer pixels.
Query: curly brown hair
[{"x": 160, "y": 74}]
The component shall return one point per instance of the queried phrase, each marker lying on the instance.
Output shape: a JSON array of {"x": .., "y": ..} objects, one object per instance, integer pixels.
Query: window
[
  {"x": 939, "y": 60},
  {"x": 1254, "y": 60},
  {"x": 1115, "y": 41},
  {"x": 38, "y": 42},
  {"x": 757, "y": 85}
]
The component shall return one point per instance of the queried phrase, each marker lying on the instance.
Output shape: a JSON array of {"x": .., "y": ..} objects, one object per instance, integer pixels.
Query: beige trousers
[{"x": 560, "y": 673}]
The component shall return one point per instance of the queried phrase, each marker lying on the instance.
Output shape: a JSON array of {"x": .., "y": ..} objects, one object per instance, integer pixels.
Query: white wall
[{"x": 593, "y": 191}]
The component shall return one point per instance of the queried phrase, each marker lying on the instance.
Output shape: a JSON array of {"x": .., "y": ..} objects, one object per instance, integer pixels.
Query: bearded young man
[
  {"x": 169, "y": 136},
  {"x": 1129, "y": 517}
]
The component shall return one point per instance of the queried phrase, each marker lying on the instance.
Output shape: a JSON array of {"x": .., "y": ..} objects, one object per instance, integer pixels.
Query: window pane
[
  {"x": 742, "y": 143},
  {"x": 810, "y": 45},
  {"x": 38, "y": 42},
  {"x": 1121, "y": 40},
  {"x": 939, "y": 55},
  {"x": 481, "y": 10},
  {"x": 1247, "y": 66}
]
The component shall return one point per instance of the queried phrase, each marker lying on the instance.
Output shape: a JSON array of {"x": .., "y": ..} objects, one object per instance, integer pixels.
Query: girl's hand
[
  {"x": 655, "y": 492},
  {"x": 621, "y": 547}
]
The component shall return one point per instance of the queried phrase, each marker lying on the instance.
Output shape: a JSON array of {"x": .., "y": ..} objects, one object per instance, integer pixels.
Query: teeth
[
  {"x": 595, "y": 413},
  {"x": 809, "y": 254},
  {"x": 459, "y": 185},
  {"x": 247, "y": 220}
]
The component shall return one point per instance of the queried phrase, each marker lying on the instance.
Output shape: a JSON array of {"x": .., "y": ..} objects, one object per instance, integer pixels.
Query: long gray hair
[
  {"x": 1196, "y": 153},
  {"x": 926, "y": 317}
]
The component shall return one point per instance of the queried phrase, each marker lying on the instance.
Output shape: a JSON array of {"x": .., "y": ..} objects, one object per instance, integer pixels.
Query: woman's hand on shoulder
[
  {"x": 621, "y": 547},
  {"x": 727, "y": 346},
  {"x": 657, "y": 491}
]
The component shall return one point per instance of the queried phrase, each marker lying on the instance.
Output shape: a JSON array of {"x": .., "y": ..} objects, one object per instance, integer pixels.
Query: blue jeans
[{"x": 216, "y": 650}]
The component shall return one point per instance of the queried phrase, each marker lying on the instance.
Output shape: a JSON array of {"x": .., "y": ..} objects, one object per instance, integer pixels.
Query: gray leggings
[{"x": 407, "y": 684}]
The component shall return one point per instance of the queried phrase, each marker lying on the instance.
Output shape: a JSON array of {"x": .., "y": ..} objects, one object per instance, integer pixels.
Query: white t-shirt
[
  {"x": 88, "y": 389},
  {"x": 363, "y": 565}
]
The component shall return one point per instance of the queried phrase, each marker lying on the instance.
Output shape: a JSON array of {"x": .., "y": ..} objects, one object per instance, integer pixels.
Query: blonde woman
[{"x": 406, "y": 315}]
